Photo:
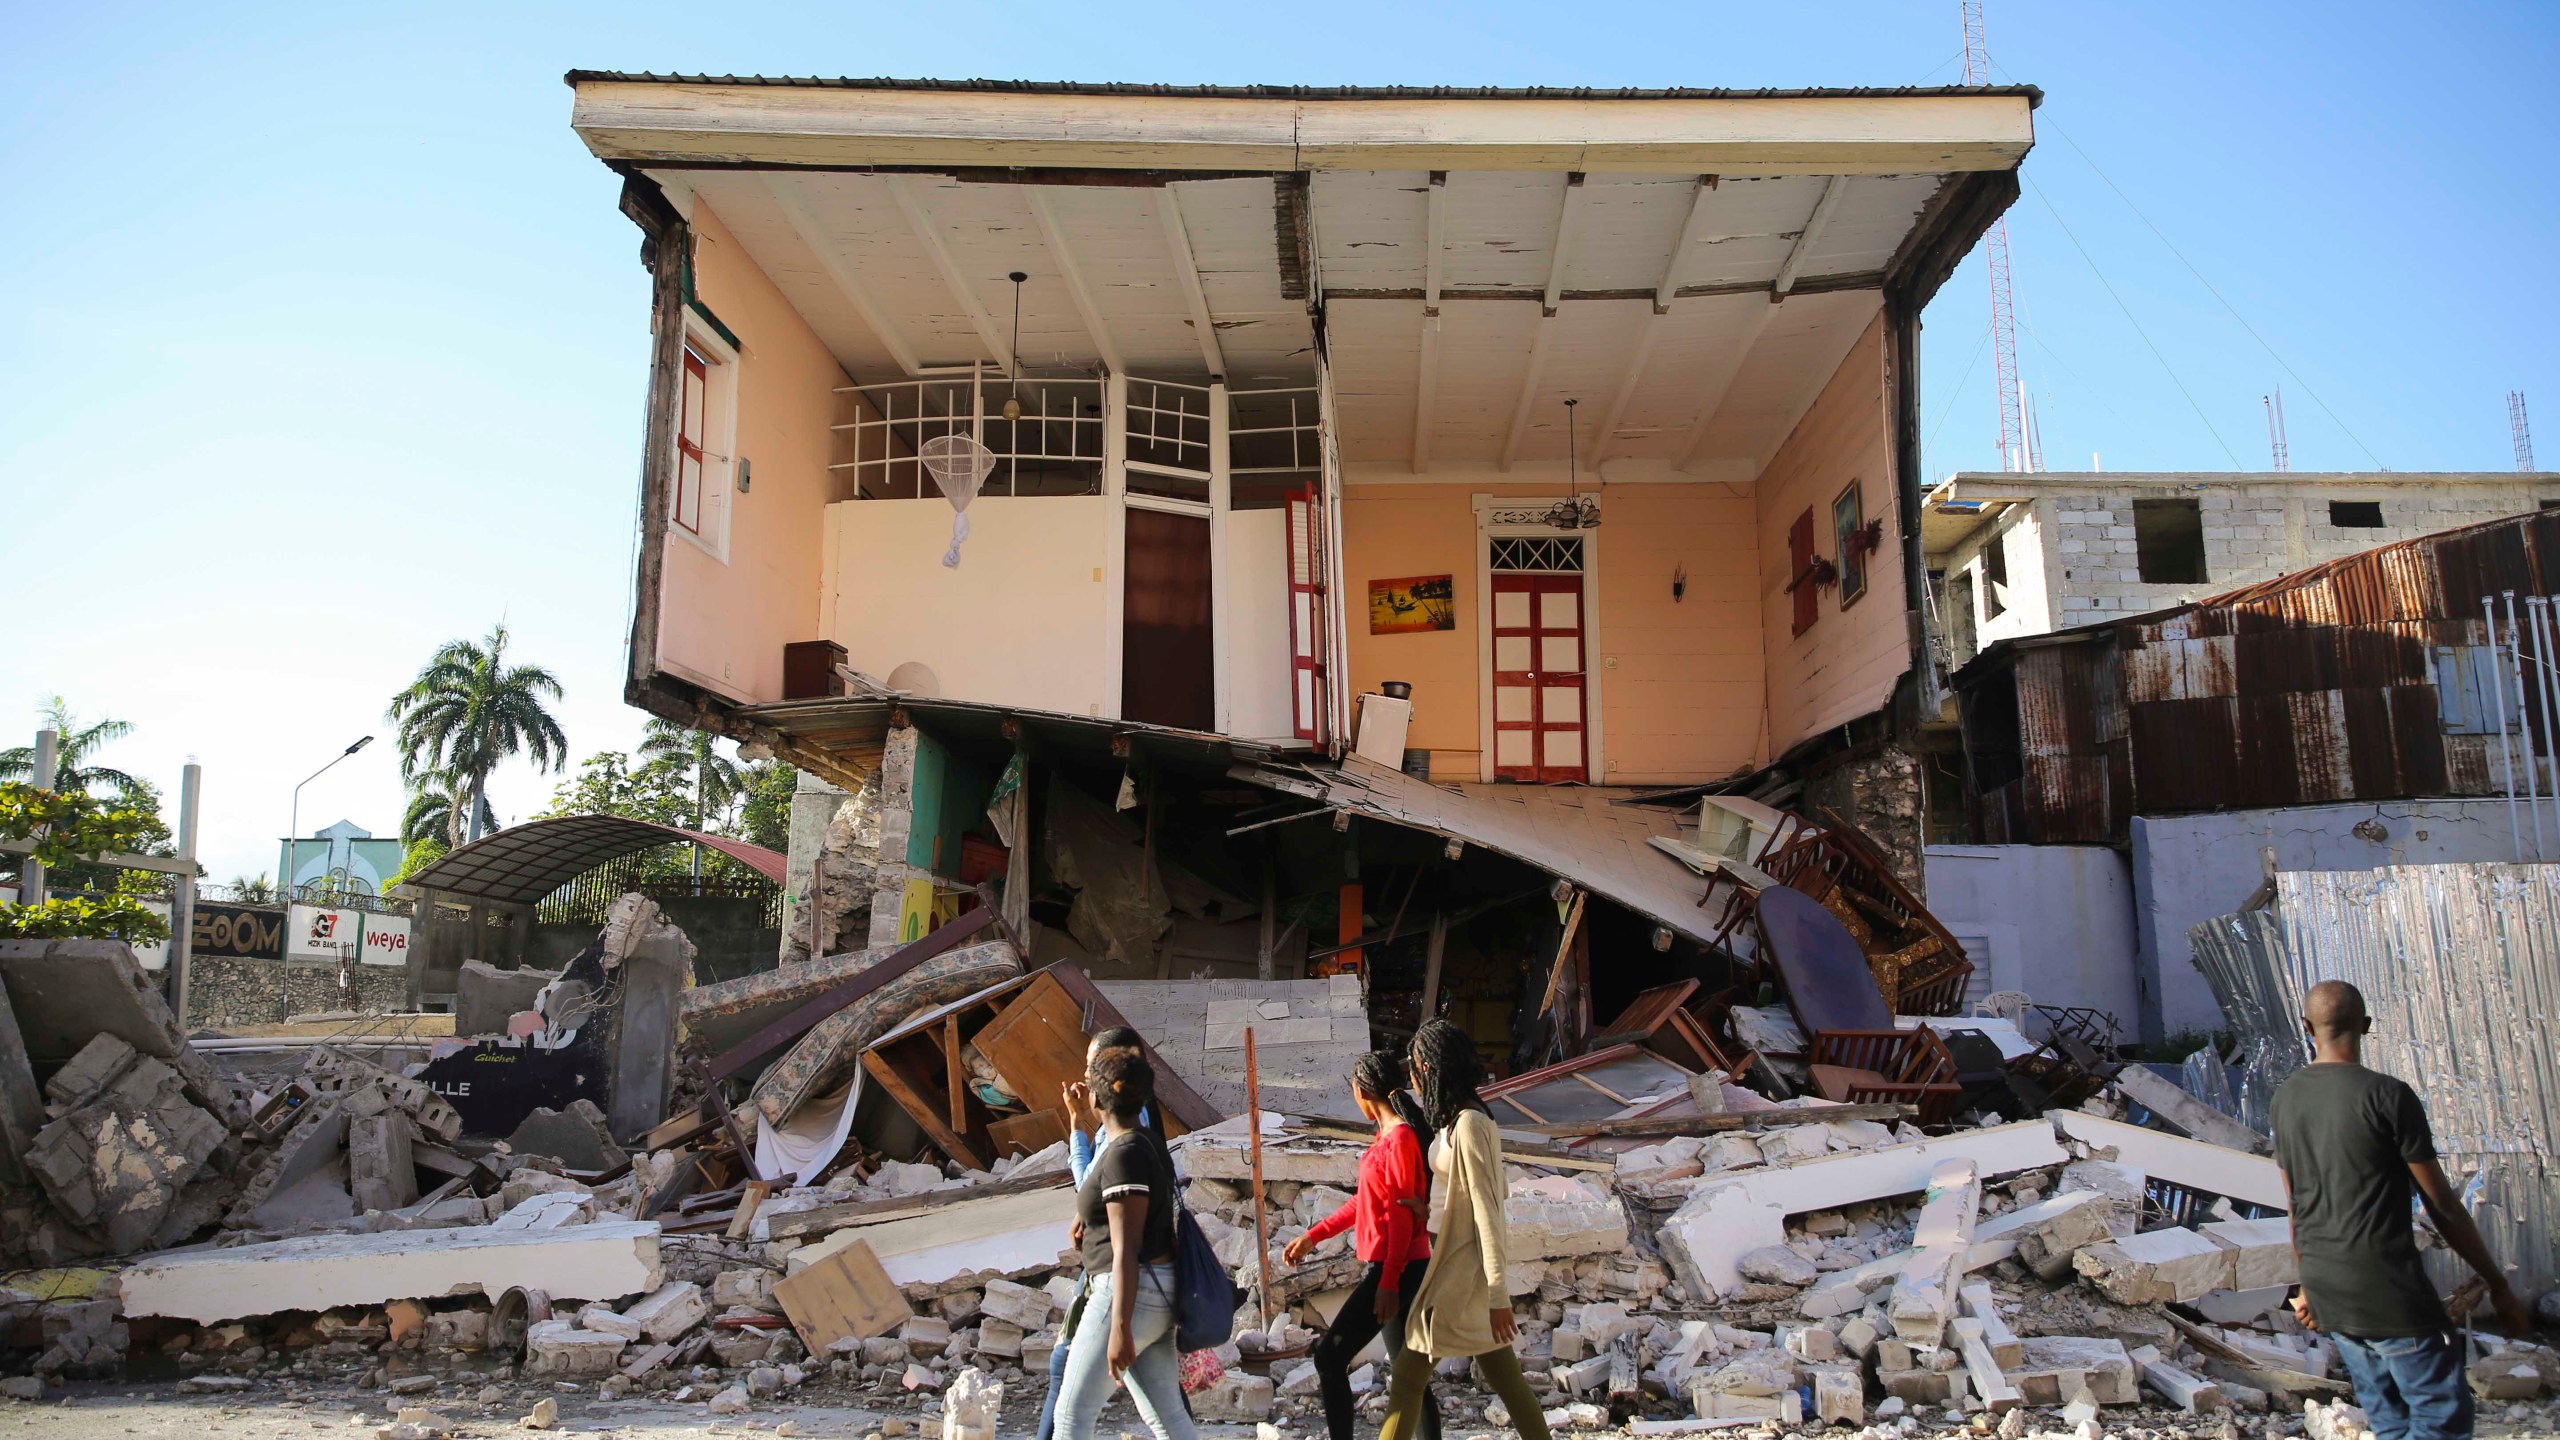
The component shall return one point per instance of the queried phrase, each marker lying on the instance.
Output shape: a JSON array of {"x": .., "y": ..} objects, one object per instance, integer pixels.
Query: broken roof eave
[
  {"x": 672, "y": 121},
  {"x": 1663, "y": 891}
]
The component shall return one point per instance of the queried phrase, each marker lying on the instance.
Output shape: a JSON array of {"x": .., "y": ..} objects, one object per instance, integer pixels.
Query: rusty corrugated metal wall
[{"x": 2310, "y": 689}]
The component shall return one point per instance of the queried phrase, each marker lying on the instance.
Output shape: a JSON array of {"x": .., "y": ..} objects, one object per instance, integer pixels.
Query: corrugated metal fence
[{"x": 2460, "y": 967}]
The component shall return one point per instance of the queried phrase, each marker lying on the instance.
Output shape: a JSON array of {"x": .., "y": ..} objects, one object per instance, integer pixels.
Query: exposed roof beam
[
  {"x": 814, "y": 236},
  {"x": 1426, "y": 391},
  {"x": 1690, "y": 230},
  {"x": 1434, "y": 218},
  {"x": 1654, "y": 324},
  {"x": 1832, "y": 190},
  {"x": 1426, "y": 395},
  {"x": 1186, "y": 270},
  {"x": 1528, "y": 389},
  {"x": 1562, "y": 254},
  {"x": 1717, "y": 385},
  {"x": 963, "y": 294},
  {"x": 1055, "y": 237}
]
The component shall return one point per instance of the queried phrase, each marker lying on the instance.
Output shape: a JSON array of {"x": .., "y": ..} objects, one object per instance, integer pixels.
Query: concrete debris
[{"x": 576, "y": 1135}]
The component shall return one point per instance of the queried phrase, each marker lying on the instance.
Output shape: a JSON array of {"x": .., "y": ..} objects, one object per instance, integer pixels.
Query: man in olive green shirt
[{"x": 2353, "y": 1144}]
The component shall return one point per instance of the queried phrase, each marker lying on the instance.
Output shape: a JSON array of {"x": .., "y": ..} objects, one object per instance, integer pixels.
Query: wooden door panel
[{"x": 1540, "y": 655}]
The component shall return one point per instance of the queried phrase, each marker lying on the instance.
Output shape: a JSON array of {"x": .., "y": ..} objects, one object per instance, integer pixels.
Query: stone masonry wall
[
  {"x": 226, "y": 991},
  {"x": 1879, "y": 792}
]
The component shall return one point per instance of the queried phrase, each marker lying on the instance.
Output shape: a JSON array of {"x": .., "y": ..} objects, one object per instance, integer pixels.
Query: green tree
[
  {"x": 607, "y": 783},
  {"x": 764, "y": 817},
  {"x": 470, "y": 711},
  {"x": 71, "y": 752},
  {"x": 715, "y": 778},
  {"x": 254, "y": 889},
  {"x": 62, "y": 827}
]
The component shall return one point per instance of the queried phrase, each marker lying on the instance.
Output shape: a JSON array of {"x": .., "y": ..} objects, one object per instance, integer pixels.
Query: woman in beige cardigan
[{"x": 1463, "y": 1308}]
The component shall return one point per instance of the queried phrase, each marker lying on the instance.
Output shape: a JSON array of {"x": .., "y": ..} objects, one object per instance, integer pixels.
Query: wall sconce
[
  {"x": 746, "y": 474},
  {"x": 1679, "y": 582}
]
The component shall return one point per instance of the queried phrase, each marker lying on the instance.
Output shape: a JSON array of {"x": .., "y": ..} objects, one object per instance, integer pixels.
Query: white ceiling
[{"x": 1720, "y": 377}]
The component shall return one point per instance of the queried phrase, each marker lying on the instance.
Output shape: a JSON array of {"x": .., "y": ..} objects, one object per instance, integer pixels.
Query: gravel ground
[{"x": 273, "y": 1411}]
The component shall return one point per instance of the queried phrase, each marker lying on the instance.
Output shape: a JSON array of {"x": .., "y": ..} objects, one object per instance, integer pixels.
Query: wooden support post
[
  {"x": 955, "y": 1075},
  {"x": 1564, "y": 948},
  {"x": 1261, "y": 1217},
  {"x": 1432, "y": 952},
  {"x": 1581, "y": 988},
  {"x": 1347, "y": 928},
  {"x": 1264, "y": 960},
  {"x": 719, "y": 1104}
]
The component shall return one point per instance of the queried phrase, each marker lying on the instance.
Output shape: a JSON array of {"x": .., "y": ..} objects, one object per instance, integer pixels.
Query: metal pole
[
  {"x": 2506, "y": 753},
  {"x": 293, "y": 828},
  {"x": 2515, "y": 668},
  {"x": 182, "y": 900},
  {"x": 2540, "y": 610},
  {"x": 31, "y": 875}
]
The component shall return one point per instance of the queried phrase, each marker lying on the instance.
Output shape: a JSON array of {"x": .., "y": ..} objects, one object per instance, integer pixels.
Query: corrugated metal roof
[
  {"x": 523, "y": 863},
  {"x": 2311, "y": 688},
  {"x": 2034, "y": 94}
]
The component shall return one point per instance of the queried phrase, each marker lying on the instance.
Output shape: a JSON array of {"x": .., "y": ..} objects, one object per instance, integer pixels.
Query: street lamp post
[{"x": 293, "y": 827}]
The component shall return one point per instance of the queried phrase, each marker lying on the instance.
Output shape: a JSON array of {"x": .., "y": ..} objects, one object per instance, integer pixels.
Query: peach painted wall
[
  {"x": 723, "y": 625},
  {"x": 1846, "y": 665},
  {"x": 1680, "y": 683}
]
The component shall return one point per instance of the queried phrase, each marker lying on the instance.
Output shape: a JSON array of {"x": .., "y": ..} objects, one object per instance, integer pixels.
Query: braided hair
[
  {"x": 1445, "y": 1064},
  {"x": 1123, "y": 1083},
  {"x": 1379, "y": 1074}
]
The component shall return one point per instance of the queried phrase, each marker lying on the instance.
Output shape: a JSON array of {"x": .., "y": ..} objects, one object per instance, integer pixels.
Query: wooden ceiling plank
[
  {"x": 1064, "y": 257},
  {"x": 1528, "y": 390},
  {"x": 963, "y": 294},
  {"x": 806, "y": 226},
  {"x": 1427, "y": 380},
  {"x": 1719, "y": 385}
]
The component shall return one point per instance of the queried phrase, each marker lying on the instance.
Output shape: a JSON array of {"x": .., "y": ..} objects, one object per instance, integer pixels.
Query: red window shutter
[{"x": 1800, "y": 584}]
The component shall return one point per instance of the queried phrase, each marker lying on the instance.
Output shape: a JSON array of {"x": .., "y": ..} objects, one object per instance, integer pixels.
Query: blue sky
[{"x": 329, "y": 340}]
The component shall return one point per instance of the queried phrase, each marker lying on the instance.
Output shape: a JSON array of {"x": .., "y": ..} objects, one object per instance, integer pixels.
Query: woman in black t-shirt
[{"x": 1124, "y": 1225}]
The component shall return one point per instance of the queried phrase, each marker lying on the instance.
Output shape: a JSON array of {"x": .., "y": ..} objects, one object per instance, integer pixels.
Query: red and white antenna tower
[{"x": 2004, "y": 332}]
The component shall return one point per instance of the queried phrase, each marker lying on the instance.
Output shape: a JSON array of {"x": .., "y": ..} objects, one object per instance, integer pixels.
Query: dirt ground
[{"x": 278, "y": 1412}]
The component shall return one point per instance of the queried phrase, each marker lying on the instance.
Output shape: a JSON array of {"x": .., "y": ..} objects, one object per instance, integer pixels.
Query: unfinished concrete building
[
  {"x": 2025, "y": 554},
  {"x": 1454, "y": 465}
]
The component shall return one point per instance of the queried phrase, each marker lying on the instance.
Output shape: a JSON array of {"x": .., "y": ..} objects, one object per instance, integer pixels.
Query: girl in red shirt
[{"x": 1387, "y": 1233}]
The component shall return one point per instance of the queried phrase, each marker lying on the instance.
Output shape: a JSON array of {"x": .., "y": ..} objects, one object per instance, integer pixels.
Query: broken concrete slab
[
  {"x": 126, "y": 1142},
  {"x": 1554, "y": 1215},
  {"x": 2157, "y": 1267},
  {"x": 964, "y": 1240},
  {"x": 559, "y": 1350},
  {"x": 2261, "y": 1251},
  {"x": 319, "y": 1272},
  {"x": 381, "y": 1175},
  {"x": 1224, "y": 1151},
  {"x": 2191, "y": 1163},
  {"x": 2046, "y": 1234},
  {"x": 2102, "y": 1365},
  {"x": 1723, "y": 1218},
  {"x": 21, "y": 1103},
  {"x": 1989, "y": 1382},
  {"x": 669, "y": 1311},
  {"x": 2178, "y": 1385},
  {"x": 333, "y": 1072},
  {"x": 63, "y": 993},
  {"x": 1924, "y": 1294},
  {"x": 486, "y": 997},
  {"x": 578, "y": 1136},
  {"x": 2190, "y": 1115}
]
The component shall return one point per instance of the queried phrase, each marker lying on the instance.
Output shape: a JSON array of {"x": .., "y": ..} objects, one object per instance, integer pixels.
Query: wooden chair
[{"x": 1881, "y": 1067}]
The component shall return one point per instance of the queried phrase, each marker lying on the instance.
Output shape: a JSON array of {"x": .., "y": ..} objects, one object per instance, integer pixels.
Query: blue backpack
[{"x": 1205, "y": 1298}]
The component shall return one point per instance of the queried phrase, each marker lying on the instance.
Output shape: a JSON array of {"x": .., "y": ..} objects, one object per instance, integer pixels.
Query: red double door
[{"x": 1539, "y": 690}]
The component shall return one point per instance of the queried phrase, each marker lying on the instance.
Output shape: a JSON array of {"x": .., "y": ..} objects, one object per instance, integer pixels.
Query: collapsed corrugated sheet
[{"x": 2460, "y": 967}]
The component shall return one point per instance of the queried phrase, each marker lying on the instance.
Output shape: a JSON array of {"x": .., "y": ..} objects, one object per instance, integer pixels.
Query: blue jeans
[
  {"x": 1058, "y": 1368},
  {"x": 1154, "y": 1380},
  {"x": 2412, "y": 1387}
]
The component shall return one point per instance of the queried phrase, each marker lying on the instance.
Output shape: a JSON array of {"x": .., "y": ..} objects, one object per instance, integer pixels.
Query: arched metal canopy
[{"x": 524, "y": 863}]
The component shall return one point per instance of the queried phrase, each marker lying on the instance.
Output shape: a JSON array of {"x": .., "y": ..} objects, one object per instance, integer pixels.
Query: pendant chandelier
[{"x": 1576, "y": 511}]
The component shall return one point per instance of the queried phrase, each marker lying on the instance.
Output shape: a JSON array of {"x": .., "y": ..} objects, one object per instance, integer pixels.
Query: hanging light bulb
[{"x": 1013, "y": 400}]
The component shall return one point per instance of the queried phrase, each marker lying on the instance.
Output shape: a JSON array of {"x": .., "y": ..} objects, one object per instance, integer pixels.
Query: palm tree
[
  {"x": 466, "y": 713},
  {"x": 253, "y": 889},
  {"x": 72, "y": 747},
  {"x": 717, "y": 781},
  {"x": 430, "y": 812}
]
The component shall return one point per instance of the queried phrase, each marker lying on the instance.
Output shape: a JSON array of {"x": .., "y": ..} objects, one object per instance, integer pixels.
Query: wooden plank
[
  {"x": 921, "y": 1109},
  {"x": 1036, "y": 1042},
  {"x": 1564, "y": 953},
  {"x": 753, "y": 1197},
  {"x": 1027, "y": 1134},
  {"x": 824, "y": 1218},
  {"x": 845, "y": 1296},
  {"x": 1438, "y": 943},
  {"x": 955, "y": 1084},
  {"x": 798, "y": 1023},
  {"x": 1184, "y": 1110},
  {"x": 1647, "y": 1013}
]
